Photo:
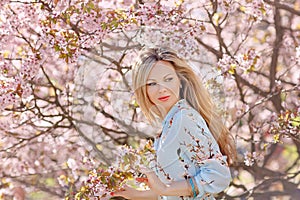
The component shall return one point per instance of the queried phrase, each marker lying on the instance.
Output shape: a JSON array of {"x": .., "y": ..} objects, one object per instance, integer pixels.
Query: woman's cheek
[{"x": 151, "y": 93}]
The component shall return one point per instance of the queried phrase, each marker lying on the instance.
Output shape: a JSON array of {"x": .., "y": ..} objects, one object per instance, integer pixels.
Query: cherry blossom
[{"x": 67, "y": 105}]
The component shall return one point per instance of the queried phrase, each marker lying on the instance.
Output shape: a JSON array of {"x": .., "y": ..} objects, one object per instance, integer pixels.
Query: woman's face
[{"x": 163, "y": 86}]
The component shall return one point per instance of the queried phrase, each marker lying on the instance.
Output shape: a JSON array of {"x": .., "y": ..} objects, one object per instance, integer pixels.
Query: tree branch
[{"x": 278, "y": 5}]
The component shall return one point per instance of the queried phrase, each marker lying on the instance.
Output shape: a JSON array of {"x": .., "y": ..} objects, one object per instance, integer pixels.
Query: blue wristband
[{"x": 193, "y": 187}]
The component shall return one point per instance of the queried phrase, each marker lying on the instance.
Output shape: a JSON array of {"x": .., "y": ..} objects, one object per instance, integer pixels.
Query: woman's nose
[{"x": 161, "y": 88}]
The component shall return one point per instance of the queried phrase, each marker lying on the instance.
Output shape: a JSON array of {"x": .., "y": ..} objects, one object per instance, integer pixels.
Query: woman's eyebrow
[
  {"x": 150, "y": 79},
  {"x": 167, "y": 75}
]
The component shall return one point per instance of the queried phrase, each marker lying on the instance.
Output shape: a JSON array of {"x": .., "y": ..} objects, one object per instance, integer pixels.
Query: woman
[{"x": 194, "y": 144}]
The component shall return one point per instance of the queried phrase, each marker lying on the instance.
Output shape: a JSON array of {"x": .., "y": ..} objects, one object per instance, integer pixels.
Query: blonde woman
[{"x": 194, "y": 147}]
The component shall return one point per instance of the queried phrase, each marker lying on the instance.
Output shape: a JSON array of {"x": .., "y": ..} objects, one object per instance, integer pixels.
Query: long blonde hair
[{"x": 192, "y": 90}]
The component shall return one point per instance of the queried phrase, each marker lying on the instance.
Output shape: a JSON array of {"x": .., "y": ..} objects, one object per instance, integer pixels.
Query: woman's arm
[
  {"x": 175, "y": 188},
  {"x": 214, "y": 177},
  {"x": 133, "y": 194},
  {"x": 157, "y": 188},
  {"x": 198, "y": 150}
]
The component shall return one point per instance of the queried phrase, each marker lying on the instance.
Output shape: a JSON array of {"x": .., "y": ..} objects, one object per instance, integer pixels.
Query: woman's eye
[
  {"x": 169, "y": 79},
  {"x": 151, "y": 84}
]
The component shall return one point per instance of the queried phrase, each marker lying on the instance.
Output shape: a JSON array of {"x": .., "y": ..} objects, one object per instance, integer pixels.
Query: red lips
[{"x": 164, "y": 98}]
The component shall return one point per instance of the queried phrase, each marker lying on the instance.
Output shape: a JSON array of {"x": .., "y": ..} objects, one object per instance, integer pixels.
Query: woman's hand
[
  {"x": 133, "y": 194},
  {"x": 157, "y": 188},
  {"x": 128, "y": 193},
  {"x": 154, "y": 182}
]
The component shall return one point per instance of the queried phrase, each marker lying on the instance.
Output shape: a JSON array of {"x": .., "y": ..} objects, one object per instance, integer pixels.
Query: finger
[
  {"x": 107, "y": 197},
  {"x": 122, "y": 189},
  {"x": 118, "y": 193},
  {"x": 123, "y": 192}
]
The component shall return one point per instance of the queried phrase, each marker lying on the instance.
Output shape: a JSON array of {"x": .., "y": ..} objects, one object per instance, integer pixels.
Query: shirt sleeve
[{"x": 199, "y": 152}]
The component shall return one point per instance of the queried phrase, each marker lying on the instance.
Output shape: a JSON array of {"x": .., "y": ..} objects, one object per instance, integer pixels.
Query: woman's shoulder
[
  {"x": 187, "y": 112},
  {"x": 182, "y": 114},
  {"x": 191, "y": 120}
]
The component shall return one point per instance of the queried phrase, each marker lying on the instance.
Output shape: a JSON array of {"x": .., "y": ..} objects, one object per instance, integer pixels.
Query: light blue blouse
[{"x": 186, "y": 147}]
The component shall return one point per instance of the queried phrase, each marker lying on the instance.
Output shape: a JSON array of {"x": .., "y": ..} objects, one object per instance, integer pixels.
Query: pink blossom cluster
[
  {"x": 254, "y": 10},
  {"x": 163, "y": 25},
  {"x": 252, "y": 158},
  {"x": 156, "y": 15},
  {"x": 241, "y": 108},
  {"x": 94, "y": 22},
  {"x": 19, "y": 61},
  {"x": 285, "y": 124},
  {"x": 15, "y": 83},
  {"x": 103, "y": 181},
  {"x": 227, "y": 64},
  {"x": 68, "y": 28},
  {"x": 257, "y": 8},
  {"x": 229, "y": 6},
  {"x": 241, "y": 64},
  {"x": 4, "y": 2},
  {"x": 297, "y": 57}
]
